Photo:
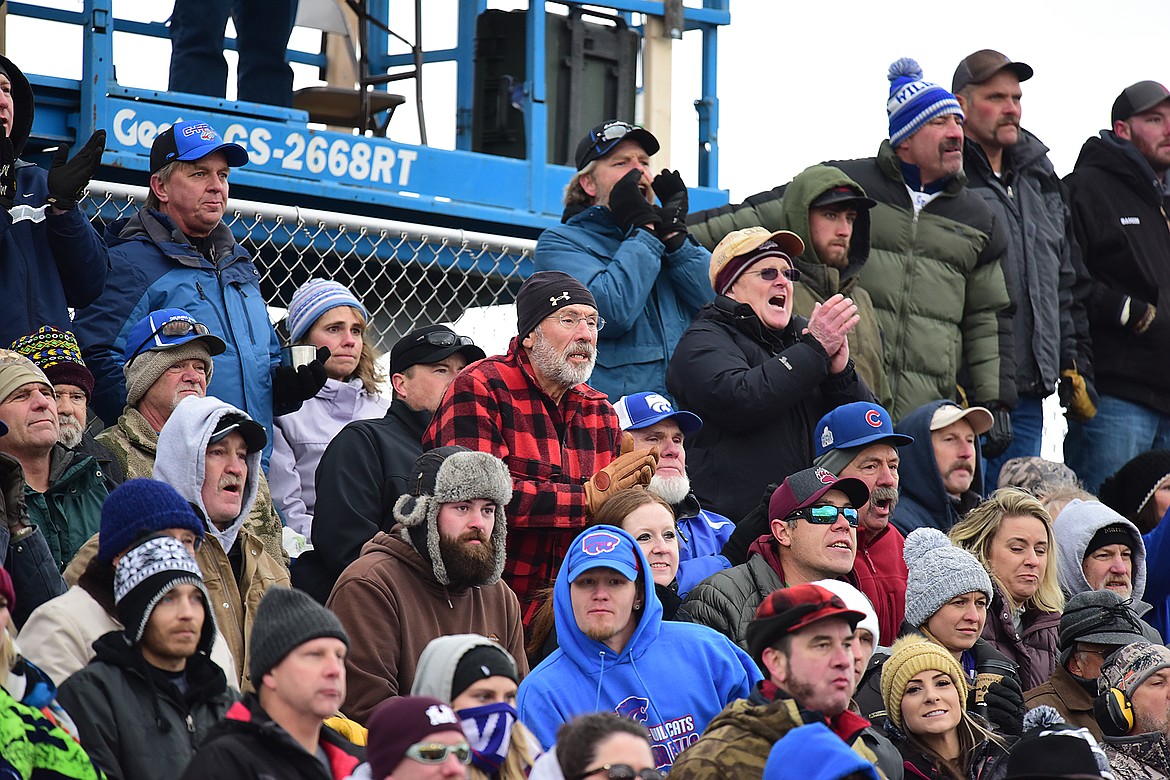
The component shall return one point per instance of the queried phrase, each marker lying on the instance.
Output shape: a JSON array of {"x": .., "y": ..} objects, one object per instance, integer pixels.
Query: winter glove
[
  {"x": 69, "y": 178},
  {"x": 291, "y": 387},
  {"x": 628, "y": 205},
  {"x": 1077, "y": 395},
  {"x": 1005, "y": 706},
  {"x": 7, "y": 173},
  {"x": 1000, "y": 436},
  {"x": 631, "y": 467},
  {"x": 671, "y": 190}
]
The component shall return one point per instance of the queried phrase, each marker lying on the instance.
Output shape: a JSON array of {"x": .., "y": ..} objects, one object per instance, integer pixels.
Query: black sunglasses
[
  {"x": 623, "y": 772},
  {"x": 442, "y": 338},
  {"x": 827, "y": 515},
  {"x": 171, "y": 329}
]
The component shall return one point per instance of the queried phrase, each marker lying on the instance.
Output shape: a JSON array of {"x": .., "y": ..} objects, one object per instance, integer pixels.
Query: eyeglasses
[
  {"x": 609, "y": 135},
  {"x": 827, "y": 515},
  {"x": 770, "y": 274},
  {"x": 171, "y": 329},
  {"x": 569, "y": 322},
  {"x": 622, "y": 772},
  {"x": 436, "y": 752},
  {"x": 442, "y": 338}
]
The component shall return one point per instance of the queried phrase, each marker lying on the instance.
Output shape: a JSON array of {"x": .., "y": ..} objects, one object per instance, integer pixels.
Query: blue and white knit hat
[
  {"x": 914, "y": 102},
  {"x": 314, "y": 298},
  {"x": 148, "y": 572}
]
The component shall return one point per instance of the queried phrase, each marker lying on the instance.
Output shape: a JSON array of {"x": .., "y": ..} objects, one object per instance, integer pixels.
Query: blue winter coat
[
  {"x": 648, "y": 296},
  {"x": 671, "y": 677},
  {"x": 154, "y": 267},
  {"x": 703, "y": 535},
  {"x": 923, "y": 500}
]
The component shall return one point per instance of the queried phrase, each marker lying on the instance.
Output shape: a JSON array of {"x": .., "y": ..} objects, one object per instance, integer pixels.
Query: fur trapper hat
[{"x": 443, "y": 476}]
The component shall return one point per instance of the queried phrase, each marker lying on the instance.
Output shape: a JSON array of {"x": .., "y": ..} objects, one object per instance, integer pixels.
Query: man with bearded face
[
  {"x": 57, "y": 353},
  {"x": 557, "y": 435},
  {"x": 1009, "y": 169},
  {"x": 436, "y": 573}
]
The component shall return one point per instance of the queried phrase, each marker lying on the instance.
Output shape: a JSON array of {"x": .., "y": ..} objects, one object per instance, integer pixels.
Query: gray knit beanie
[
  {"x": 443, "y": 476},
  {"x": 145, "y": 369},
  {"x": 939, "y": 571},
  {"x": 286, "y": 619}
]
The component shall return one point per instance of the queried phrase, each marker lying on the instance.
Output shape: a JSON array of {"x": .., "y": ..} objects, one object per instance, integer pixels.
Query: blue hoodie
[
  {"x": 813, "y": 752},
  {"x": 671, "y": 677},
  {"x": 923, "y": 501}
]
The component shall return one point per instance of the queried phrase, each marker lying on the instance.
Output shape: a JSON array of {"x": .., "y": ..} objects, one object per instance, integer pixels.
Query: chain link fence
[{"x": 407, "y": 275}]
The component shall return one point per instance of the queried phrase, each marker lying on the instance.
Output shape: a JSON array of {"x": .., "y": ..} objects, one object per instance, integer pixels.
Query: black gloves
[
  {"x": 69, "y": 178},
  {"x": 628, "y": 205},
  {"x": 1000, "y": 436},
  {"x": 291, "y": 387},
  {"x": 671, "y": 190},
  {"x": 1077, "y": 395},
  {"x": 1005, "y": 706},
  {"x": 7, "y": 172}
]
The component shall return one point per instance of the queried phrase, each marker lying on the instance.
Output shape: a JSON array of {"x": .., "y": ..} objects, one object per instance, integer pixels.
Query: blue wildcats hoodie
[{"x": 673, "y": 678}]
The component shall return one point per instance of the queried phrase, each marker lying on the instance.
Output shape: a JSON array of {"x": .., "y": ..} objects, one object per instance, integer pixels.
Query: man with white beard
[
  {"x": 653, "y": 422},
  {"x": 57, "y": 353},
  {"x": 559, "y": 437}
]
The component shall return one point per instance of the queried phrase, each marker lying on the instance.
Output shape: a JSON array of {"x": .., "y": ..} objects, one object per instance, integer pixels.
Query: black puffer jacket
[
  {"x": 759, "y": 392},
  {"x": 1117, "y": 210},
  {"x": 132, "y": 721}
]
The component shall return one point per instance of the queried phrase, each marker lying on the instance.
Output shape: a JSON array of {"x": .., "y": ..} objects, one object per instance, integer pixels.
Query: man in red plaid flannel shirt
[{"x": 559, "y": 437}]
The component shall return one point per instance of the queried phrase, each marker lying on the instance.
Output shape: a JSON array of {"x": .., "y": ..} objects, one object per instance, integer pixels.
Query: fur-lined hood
[{"x": 446, "y": 475}]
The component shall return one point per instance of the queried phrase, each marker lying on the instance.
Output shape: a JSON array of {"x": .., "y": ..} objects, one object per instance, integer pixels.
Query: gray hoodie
[
  {"x": 1074, "y": 528},
  {"x": 181, "y": 459}
]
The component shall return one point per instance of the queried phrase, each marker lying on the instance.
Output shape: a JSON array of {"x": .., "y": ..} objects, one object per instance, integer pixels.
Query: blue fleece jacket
[
  {"x": 155, "y": 267},
  {"x": 648, "y": 296},
  {"x": 923, "y": 500},
  {"x": 671, "y": 677},
  {"x": 703, "y": 536}
]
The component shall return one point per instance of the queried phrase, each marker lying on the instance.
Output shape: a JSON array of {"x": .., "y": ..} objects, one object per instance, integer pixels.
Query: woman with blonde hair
[
  {"x": 323, "y": 314},
  {"x": 1011, "y": 535},
  {"x": 925, "y": 690},
  {"x": 478, "y": 678}
]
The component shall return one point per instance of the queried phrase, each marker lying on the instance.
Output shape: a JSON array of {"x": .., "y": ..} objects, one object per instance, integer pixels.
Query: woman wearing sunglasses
[
  {"x": 323, "y": 314},
  {"x": 414, "y": 738},
  {"x": 924, "y": 689},
  {"x": 479, "y": 678},
  {"x": 605, "y": 746},
  {"x": 757, "y": 373}
]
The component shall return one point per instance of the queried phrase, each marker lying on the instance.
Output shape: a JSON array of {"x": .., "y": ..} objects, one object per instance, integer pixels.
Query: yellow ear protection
[{"x": 1113, "y": 712}]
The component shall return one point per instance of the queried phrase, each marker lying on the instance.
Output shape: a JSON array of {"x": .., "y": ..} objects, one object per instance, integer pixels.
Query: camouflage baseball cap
[{"x": 1133, "y": 664}]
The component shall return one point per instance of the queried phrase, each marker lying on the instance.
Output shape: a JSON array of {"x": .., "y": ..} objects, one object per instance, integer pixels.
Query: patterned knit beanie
[
  {"x": 912, "y": 655},
  {"x": 58, "y": 355},
  {"x": 147, "y": 573},
  {"x": 1130, "y": 489},
  {"x": 939, "y": 571},
  {"x": 314, "y": 298},
  {"x": 913, "y": 101},
  {"x": 138, "y": 507}
]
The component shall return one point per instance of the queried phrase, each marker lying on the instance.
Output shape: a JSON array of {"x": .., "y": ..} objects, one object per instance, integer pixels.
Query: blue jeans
[
  {"x": 262, "y": 30},
  {"x": 1121, "y": 431},
  {"x": 1027, "y": 430}
]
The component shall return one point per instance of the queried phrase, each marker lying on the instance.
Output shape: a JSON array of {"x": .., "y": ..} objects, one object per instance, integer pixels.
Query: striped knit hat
[
  {"x": 57, "y": 354},
  {"x": 314, "y": 298},
  {"x": 913, "y": 101}
]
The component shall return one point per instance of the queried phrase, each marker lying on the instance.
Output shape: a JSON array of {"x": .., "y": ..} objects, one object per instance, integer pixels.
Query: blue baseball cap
[
  {"x": 167, "y": 328},
  {"x": 855, "y": 425},
  {"x": 192, "y": 139},
  {"x": 641, "y": 410},
  {"x": 603, "y": 547}
]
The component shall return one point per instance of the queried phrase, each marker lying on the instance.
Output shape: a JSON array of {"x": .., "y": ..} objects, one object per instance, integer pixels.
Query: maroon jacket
[
  {"x": 879, "y": 571},
  {"x": 1034, "y": 648},
  {"x": 496, "y": 405}
]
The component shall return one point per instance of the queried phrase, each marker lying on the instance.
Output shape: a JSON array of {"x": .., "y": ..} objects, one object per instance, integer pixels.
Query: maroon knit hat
[
  {"x": 398, "y": 723},
  {"x": 57, "y": 353},
  {"x": 6, "y": 590}
]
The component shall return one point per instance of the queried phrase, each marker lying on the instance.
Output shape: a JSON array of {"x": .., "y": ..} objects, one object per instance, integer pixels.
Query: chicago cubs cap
[
  {"x": 641, "y": 410},
  {"x": 791, "y": 609},
  {"x": 805, "y": 488},
  {"x": 603, "y": 547},
  {"x": 855, "y": 425},
  {"x": 192, "y": 139}
]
